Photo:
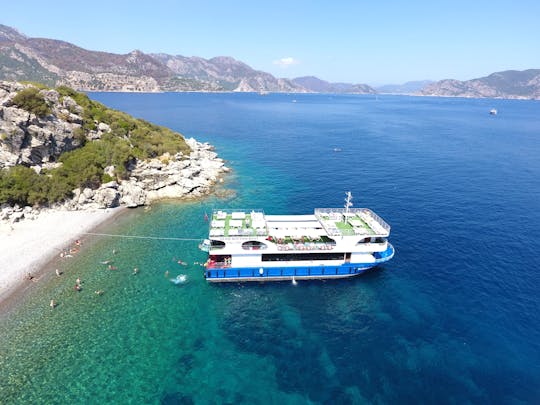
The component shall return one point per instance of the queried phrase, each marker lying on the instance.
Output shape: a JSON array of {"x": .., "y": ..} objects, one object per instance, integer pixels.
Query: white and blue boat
[{"x": 247, "y": 245}]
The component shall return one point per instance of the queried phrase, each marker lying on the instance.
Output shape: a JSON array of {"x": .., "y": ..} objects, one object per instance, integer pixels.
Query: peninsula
[{"x": 67, "y": 163}]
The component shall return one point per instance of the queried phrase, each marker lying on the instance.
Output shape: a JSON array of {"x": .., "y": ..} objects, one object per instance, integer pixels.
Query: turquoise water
[{"x": 453, "y": 318}]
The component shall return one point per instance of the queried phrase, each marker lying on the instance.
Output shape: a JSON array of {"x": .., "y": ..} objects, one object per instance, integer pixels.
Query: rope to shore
[{"x": 140, "y": 237}]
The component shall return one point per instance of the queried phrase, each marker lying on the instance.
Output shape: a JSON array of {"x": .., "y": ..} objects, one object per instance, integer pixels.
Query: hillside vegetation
[{"x": 126, "y": 140}]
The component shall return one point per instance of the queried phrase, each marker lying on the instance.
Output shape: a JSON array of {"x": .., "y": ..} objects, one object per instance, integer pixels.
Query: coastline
[{"x": 28, "y": 246}]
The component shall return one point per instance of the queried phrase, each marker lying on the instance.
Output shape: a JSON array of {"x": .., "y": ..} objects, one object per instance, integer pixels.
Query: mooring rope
[{"x": 140, "y": 237}]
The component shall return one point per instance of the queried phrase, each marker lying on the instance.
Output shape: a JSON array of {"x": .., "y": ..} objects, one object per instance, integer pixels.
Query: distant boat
[
  {"x": 337, "y": 149},
  {"x": 493, "y": 111}
]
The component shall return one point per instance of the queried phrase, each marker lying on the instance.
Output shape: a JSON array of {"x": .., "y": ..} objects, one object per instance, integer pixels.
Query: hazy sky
[{"x": 374, "y": 42}]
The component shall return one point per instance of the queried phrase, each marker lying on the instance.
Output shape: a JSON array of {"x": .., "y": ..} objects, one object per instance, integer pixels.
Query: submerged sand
[{"x": 27, "y": 246}]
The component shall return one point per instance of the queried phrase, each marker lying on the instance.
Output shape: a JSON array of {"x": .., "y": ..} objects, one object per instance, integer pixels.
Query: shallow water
[{"x": 454, "y": 317}]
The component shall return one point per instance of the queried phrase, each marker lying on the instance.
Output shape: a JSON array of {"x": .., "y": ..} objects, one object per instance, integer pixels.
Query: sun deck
[
  {"x": 238, "y": 223},
  {"x": 325, "y": 222},
  {"x": 354, "y": 221}
]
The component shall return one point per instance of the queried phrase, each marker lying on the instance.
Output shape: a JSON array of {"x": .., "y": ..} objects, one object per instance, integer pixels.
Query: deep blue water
[{"x": 453, "y": 318}]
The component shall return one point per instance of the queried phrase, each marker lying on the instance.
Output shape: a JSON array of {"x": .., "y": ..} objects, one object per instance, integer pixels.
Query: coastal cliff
[{"x": 60, "y": 149}]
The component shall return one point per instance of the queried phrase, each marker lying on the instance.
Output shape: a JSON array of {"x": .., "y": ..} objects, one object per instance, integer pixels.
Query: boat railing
[{"x": 327, "y": 215}]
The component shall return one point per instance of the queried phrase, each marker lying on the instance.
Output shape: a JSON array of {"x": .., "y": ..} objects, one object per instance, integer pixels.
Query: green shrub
[
  {"x": 32, "y": 101},
  {"x": 21, "y": 185}
]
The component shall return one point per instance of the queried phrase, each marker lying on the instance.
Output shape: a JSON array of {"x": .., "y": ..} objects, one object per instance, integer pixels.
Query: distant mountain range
[
  {"x": 317, "y": 85},
  {"x": 508, "y": 84},
  {"x": 55, "y": 62},
  {"x": 405, "y": 88}
]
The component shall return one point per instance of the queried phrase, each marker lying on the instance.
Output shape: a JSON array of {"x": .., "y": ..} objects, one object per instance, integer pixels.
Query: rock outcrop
[
  {"x": 167, "y": 177},
  {"x": 31, "y": 140}
]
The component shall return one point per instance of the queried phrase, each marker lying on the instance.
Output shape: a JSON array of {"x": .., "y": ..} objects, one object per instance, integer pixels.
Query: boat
[
  {"x": 247, "y": 245},
  {"x": 493, "y": 111}
]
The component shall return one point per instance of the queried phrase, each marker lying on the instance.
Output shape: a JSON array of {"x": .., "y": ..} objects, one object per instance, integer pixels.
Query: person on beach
[
  {"x": 58, "y": 272},
  {"x": 77, "y": 287},
  {"x": 52, "y": 304},
  {"x": 78, "y": 281}
]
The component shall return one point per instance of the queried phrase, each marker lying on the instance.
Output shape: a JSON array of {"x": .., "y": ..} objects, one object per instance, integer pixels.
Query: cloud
[{"x": 286, "y": 62}]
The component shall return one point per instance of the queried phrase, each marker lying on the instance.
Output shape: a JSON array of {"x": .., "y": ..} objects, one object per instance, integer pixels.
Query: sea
[{"x": 453, "y": 318}]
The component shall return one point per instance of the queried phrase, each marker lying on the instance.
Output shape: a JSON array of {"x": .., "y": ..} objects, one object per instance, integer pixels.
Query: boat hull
[{"x": 290, "y": 272}]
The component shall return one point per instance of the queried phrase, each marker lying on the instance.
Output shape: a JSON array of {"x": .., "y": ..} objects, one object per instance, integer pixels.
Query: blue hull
[{"x": 295, "y": 272}]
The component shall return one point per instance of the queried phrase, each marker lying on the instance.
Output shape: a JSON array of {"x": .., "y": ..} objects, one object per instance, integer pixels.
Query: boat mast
[{"x": 348, "y": 204}]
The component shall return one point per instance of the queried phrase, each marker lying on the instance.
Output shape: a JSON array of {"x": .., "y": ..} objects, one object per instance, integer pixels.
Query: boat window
[
  {"x": 371, "y": 240},
  {"x": 290, "y": 257},
  {"x": 217, "y": 244},
  {"x": 253, "y": 245}
]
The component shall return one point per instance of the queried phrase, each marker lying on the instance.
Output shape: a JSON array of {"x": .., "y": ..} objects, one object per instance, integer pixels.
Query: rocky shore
[{"x": 37, "y": 142}]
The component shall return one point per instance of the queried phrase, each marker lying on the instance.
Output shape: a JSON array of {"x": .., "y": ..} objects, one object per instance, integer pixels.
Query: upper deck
[
  {"x": 325, "y": 222},
  {"x": 238, "y": 223}
]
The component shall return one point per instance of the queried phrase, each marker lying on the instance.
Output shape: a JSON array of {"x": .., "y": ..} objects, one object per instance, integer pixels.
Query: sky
[{"x": 357, "y": 41}]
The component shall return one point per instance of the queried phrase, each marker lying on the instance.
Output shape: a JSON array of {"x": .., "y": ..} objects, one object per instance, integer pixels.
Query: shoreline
[{"x": 30, "y": 245}]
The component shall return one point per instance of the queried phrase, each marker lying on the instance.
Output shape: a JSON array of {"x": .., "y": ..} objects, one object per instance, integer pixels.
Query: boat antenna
[{"x": 348, "y": 203}]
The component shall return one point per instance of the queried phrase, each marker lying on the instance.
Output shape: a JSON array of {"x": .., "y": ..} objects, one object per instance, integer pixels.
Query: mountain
[
  {"x": 317, "y": 85},
  {"x": 405, "y": 88},
  {"x": 508, "y": 84},
  {"x": 55, "y": 62},
  {"x": 225, "y": 72}
]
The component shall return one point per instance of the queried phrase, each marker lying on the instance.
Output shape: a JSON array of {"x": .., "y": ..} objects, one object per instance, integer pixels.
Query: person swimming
[
  {"x": 180, "y": 279},
  {"x": 135, "y": 271}
]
